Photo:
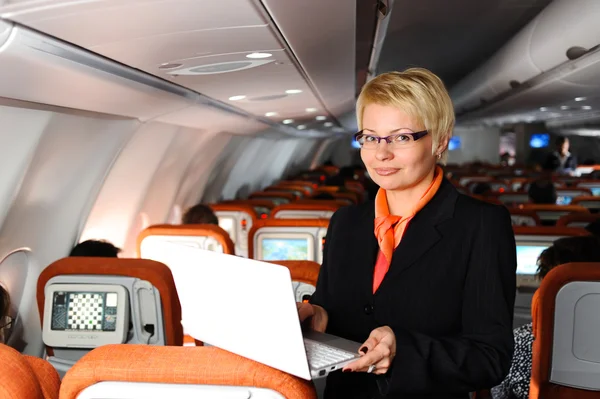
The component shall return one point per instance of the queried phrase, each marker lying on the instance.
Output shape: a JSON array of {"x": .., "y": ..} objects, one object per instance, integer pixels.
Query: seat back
[
  {"x": 237, "y": 220},
  {"x": 276, "y": 197},
  {"x": 549, "y": 214},
  {"x": 18, "y": 379},
  {"x": 204, "y": 236},
  {"x": 288, "y": 239},
  {"x": 262, "y": 208},
  {"x": 580, "y": 220},
  {"x": 150, "y": 311},
  {"x": 592, "y": 185},
  {"x": 591, "y": 203},
  {"x": 566, "y": 350},
  {"x": 522, "y": 217},
  {"x": 304, "y": 275},
  {"x": 565, "y": 196},
  {"x": 512, "y": 198},
  {"x": 305, "y": 211},
  {"x": 183, "y": 373}
]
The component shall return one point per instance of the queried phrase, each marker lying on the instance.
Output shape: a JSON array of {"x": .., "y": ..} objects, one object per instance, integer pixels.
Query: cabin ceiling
[
  {"x": 172, "y": 39},
  {"x": 452, "y": 38}
]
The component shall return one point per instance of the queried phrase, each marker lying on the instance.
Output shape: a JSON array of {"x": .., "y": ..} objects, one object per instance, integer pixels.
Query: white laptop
[{"x": 248, "y": 307}]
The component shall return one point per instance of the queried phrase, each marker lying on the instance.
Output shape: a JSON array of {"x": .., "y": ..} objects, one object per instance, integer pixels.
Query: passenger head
[
  {"x": 567, "y": 250},
  {"x": 594, "y": 228},
  {"x": 542, "y": 192},
  {"x": 482, "y": 188},
  {"x": 4, "y": 310},
  {"x": 95, "y": 248},
  {"x": 562, "y": 145},
  {"x": 200, "y": 214},
  {"x": 414, "y": 107}
]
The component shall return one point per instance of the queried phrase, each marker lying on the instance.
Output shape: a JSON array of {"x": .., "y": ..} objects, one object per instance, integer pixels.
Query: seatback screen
[
  {"x": 527, "y": 256},
  {"x": 84, "y": 311},
  {"x": 285, "y": 249}
]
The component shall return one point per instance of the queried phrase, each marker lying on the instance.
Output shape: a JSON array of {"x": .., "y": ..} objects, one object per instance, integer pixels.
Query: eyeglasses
[{"x": 405, "y": 139}]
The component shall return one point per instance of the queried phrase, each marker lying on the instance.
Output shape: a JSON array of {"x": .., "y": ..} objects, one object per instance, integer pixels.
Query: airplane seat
[
  {"x": 276, "y": 197},
  {"x": 589, "y": 202},
  {"x": 89, "y": 302},
  {"x": 566, "y": 350},
  {"x": 140, "y": 372},
  {"x": 237, "y": 220},
  {"x": 300, "y": 191},
  {"x": 522, "y": 217},
  {"x": 305, "y": 210},
  {"x": 512, "y": 198},
  {"x": 549, "y": 214},
  {"x": 203, "y": 236},
  {"x": 287, "y": 239},
  {"x": 304, "y": 275},
  {"x": 26, "y": 376},
  {"x": 262, "y": 208}
]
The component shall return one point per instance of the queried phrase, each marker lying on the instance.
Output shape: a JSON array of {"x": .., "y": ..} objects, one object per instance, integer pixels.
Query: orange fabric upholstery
[
  {"x": 46, "y": 375},
  {"x": 195, "y": 230},
  {"x": 592, "y": 202},
  {"x": 282, "y": 223},
  {"x": 157, "y": 274},
  {"x": 577, "y": 218},
  {"x": 543, "y": 316},
  {"x": 19, "y": 380},
  {"x": 307, "y": 206},
  {"x": 171, "y": 365},
  {"x": 302, "y": 271}
]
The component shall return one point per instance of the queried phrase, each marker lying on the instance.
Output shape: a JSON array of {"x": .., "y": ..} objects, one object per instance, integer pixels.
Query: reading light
[
  {"x": 586, "y": 107},
  {"x": 236, "y": 98},
  {"x": 564, "y": 107},
  {"x": 311, "y": 110},
  {"x": 293, "y": 91},
  {"x": 321, "y": 118},
  {"x": 328, "y": 124},
  {"x": 580, "y": 98},
  {"x": 268, "y": 114},
  {"x": 258, "y": 55},
  {"x": 301, "y": 127},
  {"x": 287, "y": 121},
  {"x": 543, "y": 109}
]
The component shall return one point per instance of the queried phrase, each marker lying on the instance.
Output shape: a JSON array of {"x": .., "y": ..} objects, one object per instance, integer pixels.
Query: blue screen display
[
  {"x": 563, "y": 200},
  {"x": 595, "y": 191},
  {"x": 539, "y": 140},
  {"x": 527, "y": 258},
  {"x": 454, "y": 143}
]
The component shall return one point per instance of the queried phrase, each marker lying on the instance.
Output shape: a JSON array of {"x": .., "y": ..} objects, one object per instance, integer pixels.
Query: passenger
[
  {"x": 345, "y": 173},
  {"x": 200, "y": 214},
  {"x": 95, "y": 248},
  {"x": 542, "y": 192},
  {"x": 561, "y": 160},
  {"x": 482, "y": 188},
  {"x": 563, "y": 250},
  {"x": 438, "y": 324},
  {"x": 5, "y": 320}
]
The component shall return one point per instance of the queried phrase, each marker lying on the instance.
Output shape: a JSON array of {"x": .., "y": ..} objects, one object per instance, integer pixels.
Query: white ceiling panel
[{"x": 91, "y": 23}]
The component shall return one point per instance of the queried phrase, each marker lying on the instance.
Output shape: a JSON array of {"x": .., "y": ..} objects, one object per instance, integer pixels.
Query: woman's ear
[{"x": 442, "y": 145}]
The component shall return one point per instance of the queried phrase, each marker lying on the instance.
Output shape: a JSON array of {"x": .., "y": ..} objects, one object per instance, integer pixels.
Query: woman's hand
[
  {"x": 378, "y": 351},
  {"x": 317, "y": 314}
]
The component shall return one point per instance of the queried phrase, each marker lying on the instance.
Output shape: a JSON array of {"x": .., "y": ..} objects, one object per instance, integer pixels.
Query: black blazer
[{"x": 448, "y": 296}]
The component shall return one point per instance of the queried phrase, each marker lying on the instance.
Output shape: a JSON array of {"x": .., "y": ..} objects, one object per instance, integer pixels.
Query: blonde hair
[{"x": 419, "y": 93}]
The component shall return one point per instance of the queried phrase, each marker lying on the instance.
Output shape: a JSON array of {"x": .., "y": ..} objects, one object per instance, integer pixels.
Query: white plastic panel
[
  {"x": 40, "y": 69},
  {"x": 145, "y": 390},
  {"x": 126, "y": 186},
  {"x": 575, "y": 350},
  {"x": 22, "y": 129},
  {"x": 60, "y": 185}
]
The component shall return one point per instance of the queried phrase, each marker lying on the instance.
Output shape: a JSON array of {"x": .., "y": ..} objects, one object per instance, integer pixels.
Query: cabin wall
[{"x": 477, "y": 144}]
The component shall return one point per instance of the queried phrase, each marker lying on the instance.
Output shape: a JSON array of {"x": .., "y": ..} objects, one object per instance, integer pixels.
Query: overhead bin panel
[
  {"x": 539, "y": 47},
  {"x": 39, "y": 69}
]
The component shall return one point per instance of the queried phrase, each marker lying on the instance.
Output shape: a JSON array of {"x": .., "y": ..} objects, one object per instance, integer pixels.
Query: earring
[{"x": 439, "y": 156}]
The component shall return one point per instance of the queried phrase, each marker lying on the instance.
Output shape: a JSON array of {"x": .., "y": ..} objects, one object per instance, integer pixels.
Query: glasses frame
[
  {"x": 8, "y": 324},
  {"x": 415, "y": 135}
]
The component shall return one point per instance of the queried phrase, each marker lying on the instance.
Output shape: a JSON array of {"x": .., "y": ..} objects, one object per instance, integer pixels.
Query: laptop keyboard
[{"x": 320, "y": 355}]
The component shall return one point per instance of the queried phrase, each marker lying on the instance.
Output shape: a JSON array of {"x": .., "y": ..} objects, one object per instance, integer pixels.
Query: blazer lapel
[
  {"x": 421, "y": 234},
  {"x": 367, "y": 255}
]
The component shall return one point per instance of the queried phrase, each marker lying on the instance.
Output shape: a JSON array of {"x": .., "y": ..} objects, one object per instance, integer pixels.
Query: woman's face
[{"x": 401, "y": 167}]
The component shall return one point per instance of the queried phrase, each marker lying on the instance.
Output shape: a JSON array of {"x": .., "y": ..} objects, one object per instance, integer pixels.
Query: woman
[
  {"x": 424, "y": 276},
  {"x": 563, "y": 250}
]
